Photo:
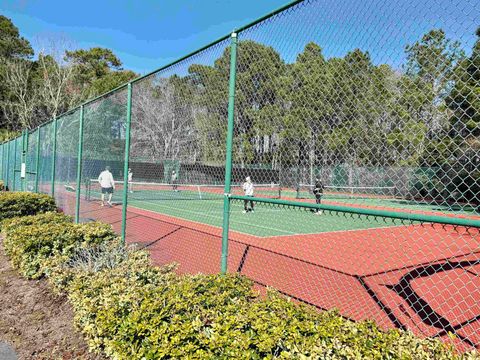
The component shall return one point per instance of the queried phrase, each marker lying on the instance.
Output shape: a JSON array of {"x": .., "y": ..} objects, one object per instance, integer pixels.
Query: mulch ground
[{"x": 34, "y": 321}]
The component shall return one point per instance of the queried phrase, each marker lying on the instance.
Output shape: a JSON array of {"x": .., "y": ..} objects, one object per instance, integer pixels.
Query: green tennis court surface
[
  {"x": 266, "y": 221},
  {"x": 387, "y": 203}
]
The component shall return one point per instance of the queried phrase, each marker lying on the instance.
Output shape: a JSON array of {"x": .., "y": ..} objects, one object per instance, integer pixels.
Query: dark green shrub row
[
  {"x": 31, "y": 240},
  {"x": 14, "y": 204},
  {"x": 128, "y": 309}
]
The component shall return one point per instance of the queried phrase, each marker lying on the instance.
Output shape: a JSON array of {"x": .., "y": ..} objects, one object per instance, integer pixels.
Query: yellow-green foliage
[
  {"x": 30, "y": 245},
  {"x": 140, "y": 312},
  {"x": 45, "y": 218},
  {"x": 13, "y": 204},
  {"x": 2, "y": 185}
]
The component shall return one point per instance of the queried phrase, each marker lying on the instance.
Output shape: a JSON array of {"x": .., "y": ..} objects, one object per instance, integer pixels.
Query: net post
[
  {"x": 126, "y": 163},
  {"x": 54, "y": 154},
  {"x": 228, "y": 162},
  {"x": 79, "y": 167},
  {"x": 37, "y": 163}
]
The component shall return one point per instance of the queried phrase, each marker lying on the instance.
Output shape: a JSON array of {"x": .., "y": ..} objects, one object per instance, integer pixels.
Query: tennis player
[
  {"x": 318, "y": 192},
  {"x": 248, "y": 190},
  {"x": 107, "y": 184},
  {"x": 130, "y": 181},
  {"x": 174, "y": 181}
]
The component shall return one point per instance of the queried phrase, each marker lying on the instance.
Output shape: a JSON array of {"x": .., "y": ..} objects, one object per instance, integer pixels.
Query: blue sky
[
  {"x": 148, "y": 34},
  {"x": 144, "y": 34}
]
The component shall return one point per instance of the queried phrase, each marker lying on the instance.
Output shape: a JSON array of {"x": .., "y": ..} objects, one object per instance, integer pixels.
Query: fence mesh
[
  {"x": 357, "y": 126},
  {"x": 31, "y": 161},
  {"x": 66, "y": 161},
  {"x": 344, "y": 108},
  {"x": 103, "y": 147},
  {"x": 17, "y": 182},
  {"x": 177, "y": 160},
  {"x": 46, "y": 159}
]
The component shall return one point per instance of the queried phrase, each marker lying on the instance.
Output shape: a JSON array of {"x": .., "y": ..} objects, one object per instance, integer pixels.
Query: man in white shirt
[
  {"x": 107, "y": 184},
  {"x": 174, "y": 181},
  {"x": 130, "y": 180},
  {"x": 248, "y": 190}
]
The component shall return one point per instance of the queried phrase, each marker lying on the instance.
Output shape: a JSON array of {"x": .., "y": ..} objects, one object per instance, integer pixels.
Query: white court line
[
  {"x": 218, "y": 217},
  {"x": 288, "y": 233}
]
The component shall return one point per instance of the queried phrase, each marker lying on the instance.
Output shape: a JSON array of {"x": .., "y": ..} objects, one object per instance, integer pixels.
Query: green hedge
[
  {"x": 30, "y": 245},
  {"x": 13, "y": 204}
]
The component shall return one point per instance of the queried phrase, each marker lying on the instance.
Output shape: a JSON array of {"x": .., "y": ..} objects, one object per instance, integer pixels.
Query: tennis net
[
  {"x": 166, "y": 191},
  {"x": 305, "y": 191}
]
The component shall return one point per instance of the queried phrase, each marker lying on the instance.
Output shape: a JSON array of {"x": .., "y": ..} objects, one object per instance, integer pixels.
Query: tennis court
[{"x": 204, "y": 204}]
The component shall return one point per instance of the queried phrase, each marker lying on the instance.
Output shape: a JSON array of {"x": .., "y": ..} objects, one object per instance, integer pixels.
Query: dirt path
[{"x": 36, "y": 323}]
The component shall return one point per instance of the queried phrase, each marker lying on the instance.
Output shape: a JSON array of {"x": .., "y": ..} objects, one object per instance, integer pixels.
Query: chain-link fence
[{"x": 329, "y": 150}]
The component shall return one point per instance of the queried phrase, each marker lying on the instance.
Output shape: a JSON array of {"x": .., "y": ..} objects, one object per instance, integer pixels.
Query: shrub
[
  {"x": 140, "y": 312},
  {"x": 13, "y": 204},
  {"x": 2, "y": 185},
  {"x": 40, "y": 219},
  {"x": 29, "y": 246},
  {"x": 62, "y": 269}
]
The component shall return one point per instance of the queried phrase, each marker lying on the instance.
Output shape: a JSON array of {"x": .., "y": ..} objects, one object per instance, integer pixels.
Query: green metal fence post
[
  {"x": 54, "y": 155},
  {"x": 37, "y": 162},
  {"x": 79, "y": 167},
  {"x": 228, "y": 162},
  {"x": 23, "y": 165},
  {"x": 125, "y": 165}
]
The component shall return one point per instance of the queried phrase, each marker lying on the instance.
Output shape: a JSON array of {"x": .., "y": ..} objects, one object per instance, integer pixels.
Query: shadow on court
[{"x": 428, "y": 283}]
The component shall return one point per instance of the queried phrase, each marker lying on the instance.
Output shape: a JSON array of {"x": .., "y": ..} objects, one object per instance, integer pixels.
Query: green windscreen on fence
[
  {"x": 17, "y": 184},
  {"x": 66, "y": 161},
  {"x": 31, "y": 160},
  {"x": 103, "y": 148},
  {"x": 1, "y": 161},
  {"x": 46, "y": 159}
]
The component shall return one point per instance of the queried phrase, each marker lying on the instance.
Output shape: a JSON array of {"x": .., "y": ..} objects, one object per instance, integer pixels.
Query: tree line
[
  {"x": 318, "y": 111},
  {"x": 312, "y": 112},
  {"x": 37, "y": 87}
]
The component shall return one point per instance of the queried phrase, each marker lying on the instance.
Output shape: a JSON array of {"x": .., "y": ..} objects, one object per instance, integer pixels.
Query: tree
[
  {"x": 12, "y": 45},
  {"x": 163, "y": 125},
  {"x": 21, "y": 98},
  {"x": 13, "y": 50},
  {"x": 97, "y": 70},
  {"x": 464, "y": 99}
]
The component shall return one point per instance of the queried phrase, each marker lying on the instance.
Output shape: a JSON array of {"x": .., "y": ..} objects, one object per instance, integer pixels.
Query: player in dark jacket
[{"x": 318, "y": 192}]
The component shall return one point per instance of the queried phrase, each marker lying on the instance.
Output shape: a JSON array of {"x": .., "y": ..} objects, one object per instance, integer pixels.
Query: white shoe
[
  {"x": 244, "y": 211},
  {"x": 252, "y": 210},
  {"x": 319, "y": 212}
]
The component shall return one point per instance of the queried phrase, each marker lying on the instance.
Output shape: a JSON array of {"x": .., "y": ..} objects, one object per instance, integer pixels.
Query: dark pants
[
  {"x": 245, "y": 205},
  {"x": 318, "y": 200}
]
